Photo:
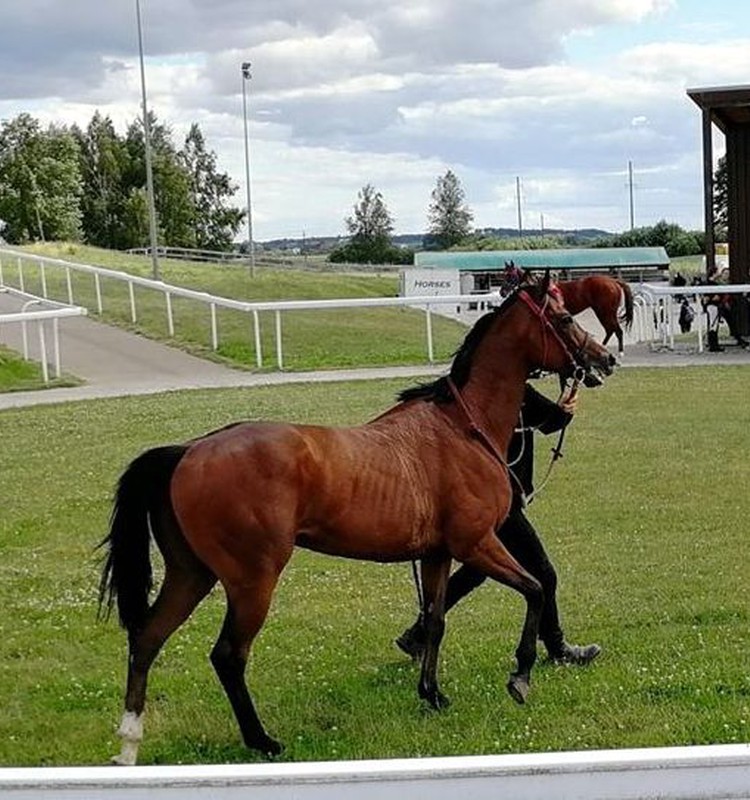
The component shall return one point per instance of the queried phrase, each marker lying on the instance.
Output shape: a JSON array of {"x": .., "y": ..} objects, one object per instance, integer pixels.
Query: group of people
[{"x": 717, "y": 307}]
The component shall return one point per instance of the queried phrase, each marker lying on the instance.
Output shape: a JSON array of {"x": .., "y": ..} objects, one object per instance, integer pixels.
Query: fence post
[
  {"x": 98, "y": 289},
  {"x": 279, "y": 354},
  {"x": 256, "y": 330},
  {"x": 56, "y": 346},
  {"x": 428, "y": 319},
  {"x": 2, "y": 281},
  {"x": 43, "y": 351},
  {"x": 70, "y": 285},
  {"x": 214, "y": 328},
  {"x": 43, "y": 276},
  {"x": 132, "y": 301},
  {"x": 20, "y": 274},
  {"x": 170, "y": 318}
]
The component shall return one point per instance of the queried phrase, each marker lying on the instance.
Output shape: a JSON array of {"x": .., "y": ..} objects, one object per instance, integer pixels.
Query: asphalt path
[{"x": 114, "y": 363}]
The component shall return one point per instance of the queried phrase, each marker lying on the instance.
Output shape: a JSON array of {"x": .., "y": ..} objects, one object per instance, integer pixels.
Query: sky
[{"x": 553, "y": 96}]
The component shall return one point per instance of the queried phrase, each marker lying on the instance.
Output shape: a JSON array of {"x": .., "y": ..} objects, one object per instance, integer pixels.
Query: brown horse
[
  {"x": 427, "y": 480},
  {"x": 604, "y": 296}
]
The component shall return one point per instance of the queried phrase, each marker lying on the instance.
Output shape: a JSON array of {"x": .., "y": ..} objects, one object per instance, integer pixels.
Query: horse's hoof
[
  {"x": 267, "y": 746},
  {"x": 119, "y": 761},
  {"x": 435, "y": 698},
  {"x": 518, "y": 688},
  {"x": 439, "y": 701}
]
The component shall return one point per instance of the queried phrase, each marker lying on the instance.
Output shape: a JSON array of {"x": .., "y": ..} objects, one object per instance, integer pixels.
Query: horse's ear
[{"x": 546, "y": 281}]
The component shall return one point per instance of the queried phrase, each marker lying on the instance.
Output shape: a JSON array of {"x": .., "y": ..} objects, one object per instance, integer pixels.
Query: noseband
[{"x": 574, "y": 358}]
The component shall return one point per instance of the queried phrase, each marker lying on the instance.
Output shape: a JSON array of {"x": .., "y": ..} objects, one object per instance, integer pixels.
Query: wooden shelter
[{"x": 728, "y": 107}]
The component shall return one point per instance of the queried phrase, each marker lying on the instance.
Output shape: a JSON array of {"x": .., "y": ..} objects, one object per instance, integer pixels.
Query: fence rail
[
  {"x": 714, "y": 772},
  {"x": 40, "y": 316},
  {"x": 213, "y": 302},
  {"x": 655, "y": 316}
]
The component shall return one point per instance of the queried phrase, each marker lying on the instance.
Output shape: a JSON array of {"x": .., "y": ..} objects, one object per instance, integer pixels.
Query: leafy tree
[
  {"x": 449, "y": 216},
  {"x": 721, "y": 200},
  {"x": 172, "y": 199},
  {"x": 370, "y": 229},
  {"x": 40, "y": 181},
  {"x": 104, "y": 164},
  {"x": 215, "y": 223},
  {"x": 674, "y": 239}
]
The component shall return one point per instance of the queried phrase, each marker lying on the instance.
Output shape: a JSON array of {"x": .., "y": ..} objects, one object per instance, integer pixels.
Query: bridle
[
  {"x": 574, "y": 358},
  {"x": 578, "y": 374}
]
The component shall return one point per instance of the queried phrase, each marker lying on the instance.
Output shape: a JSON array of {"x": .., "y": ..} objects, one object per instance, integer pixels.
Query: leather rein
[{"x": 478, "y": 433}]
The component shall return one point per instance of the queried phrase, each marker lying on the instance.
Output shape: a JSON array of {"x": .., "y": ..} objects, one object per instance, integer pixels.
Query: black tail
[
  {"x": 126, "y": 575},
  {"x": 627, "y": 292}
]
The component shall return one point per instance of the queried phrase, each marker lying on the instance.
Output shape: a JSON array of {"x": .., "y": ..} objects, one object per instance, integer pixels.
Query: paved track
[{"x": 114, "y": 363}]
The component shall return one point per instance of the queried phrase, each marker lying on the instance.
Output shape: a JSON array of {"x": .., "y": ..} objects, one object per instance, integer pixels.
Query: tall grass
[{"x": 645, "y": 519}]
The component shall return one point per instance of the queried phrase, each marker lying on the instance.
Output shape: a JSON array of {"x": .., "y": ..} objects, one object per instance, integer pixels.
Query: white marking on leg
[{"x": 131, "y": 733}]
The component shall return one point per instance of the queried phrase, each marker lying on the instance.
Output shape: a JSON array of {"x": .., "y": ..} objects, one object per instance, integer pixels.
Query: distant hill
[{"x": 416, "y": 241}]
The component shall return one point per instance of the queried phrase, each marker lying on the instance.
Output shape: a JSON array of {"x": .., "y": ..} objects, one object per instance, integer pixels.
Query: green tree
[
  {"x": 370, "y": 228},
  {"x": 216, "y": 222},
  {"x": 449, "y": 216},
  {"x": 172, "y": 198},
  {"x": 104, "y": 164},
  {"x": 40, "y": 181},
  {"x": 721, "y": 199}
]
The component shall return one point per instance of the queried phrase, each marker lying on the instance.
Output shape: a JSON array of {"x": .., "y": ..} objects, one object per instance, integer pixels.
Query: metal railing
[
  {"x": 41, "y": 316},
  {"x": 656, "y": 312},
  {"x": 214, "y": 302}
]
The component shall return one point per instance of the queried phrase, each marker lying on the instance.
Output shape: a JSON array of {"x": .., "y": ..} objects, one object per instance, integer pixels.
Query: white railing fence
[
  {"x": 51, "y": 315},
  {"x": 714, "y": 772},
  {"x": 18, "y": 263},
  {"x": 655, "y": 317}
]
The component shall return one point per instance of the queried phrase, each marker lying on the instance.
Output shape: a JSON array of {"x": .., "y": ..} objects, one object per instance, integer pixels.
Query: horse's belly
[{"x": 386, "y": 526}]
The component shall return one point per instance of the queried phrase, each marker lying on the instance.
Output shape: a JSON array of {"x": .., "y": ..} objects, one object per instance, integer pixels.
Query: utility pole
[
  {"x": 156, "y": 272},
  {"x": 630, "y": 192},
  {"x": 518, "y": 206},
  {"x": 246, "y": 76}
]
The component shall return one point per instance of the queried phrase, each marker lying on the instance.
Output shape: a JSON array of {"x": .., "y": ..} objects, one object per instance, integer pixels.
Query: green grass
[
  {"x": 645, "y": 519},
  {"x": 311, "y": 339},
  {"x": 17, "y": 375}
]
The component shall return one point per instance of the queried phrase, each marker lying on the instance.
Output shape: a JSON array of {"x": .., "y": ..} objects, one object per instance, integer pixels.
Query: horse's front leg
[
  {"x": 491, "y": 557},
  {"x": 434, "y": 581}
]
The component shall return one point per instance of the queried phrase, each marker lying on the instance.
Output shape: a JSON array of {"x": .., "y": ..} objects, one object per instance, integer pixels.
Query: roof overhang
[{"x": 729, "y": 106}]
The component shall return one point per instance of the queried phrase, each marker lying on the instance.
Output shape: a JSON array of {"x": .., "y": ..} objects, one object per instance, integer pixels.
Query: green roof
[{"x": 563, "y": 258}]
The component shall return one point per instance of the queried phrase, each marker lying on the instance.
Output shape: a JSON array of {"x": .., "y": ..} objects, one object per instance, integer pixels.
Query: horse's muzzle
[{"x": 597, "y": 369}]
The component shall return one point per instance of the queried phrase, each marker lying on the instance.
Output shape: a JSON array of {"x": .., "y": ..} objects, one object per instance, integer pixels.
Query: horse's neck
[{"x": 494, "y": 393}]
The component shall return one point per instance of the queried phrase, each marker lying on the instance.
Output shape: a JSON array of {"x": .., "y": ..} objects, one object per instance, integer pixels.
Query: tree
[
  {"x": 40, "y": 181},
  {"x": 449, "y": 216},
  {"x": 172, "y": 199},
  {"x": 216, "y": 222},
  {"x": 104, "y": 164},
  {"x": 370, "y": 229},
  {"x": 721, "y": 200}
]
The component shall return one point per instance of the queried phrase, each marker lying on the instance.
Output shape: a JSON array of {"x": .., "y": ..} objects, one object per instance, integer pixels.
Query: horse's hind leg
[
  {"x": 492, "y": 558},
  {"x": 247, "y": 608},
  {"x": 180, "y": 593},
  {"x": 434, "y": 582}
]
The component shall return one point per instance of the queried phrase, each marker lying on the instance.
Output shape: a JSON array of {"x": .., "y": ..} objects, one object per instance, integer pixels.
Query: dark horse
[
  {"x": 611, "y": 299},
  {"x": 425, "y": 481}
]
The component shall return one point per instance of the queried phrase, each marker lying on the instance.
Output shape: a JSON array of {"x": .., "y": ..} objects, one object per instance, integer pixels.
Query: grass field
[
  {"x": 312, "y": 339},
  {"x": 17, "y": 375},
  {"x": 645, "y": 518}
]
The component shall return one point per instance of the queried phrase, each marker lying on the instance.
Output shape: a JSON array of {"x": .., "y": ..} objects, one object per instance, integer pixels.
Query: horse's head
[
  {"x": 511, "y": 278},
  {"x": 559, "y": 343}
]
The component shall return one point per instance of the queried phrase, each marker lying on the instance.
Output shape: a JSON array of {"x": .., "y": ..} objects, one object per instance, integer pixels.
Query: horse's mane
[{"x": 439, "y": 390}]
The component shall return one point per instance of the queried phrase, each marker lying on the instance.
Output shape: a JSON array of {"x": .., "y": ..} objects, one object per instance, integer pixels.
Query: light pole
[
  {"x": 246, "y": 76},
  {"x": 147, "y": 146}
]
